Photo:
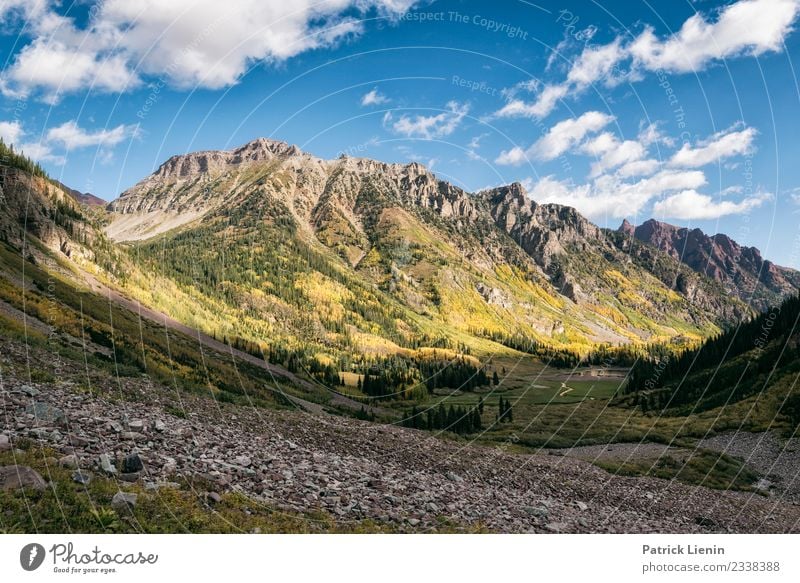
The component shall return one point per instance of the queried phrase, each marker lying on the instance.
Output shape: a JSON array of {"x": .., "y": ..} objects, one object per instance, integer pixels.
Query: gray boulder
[{"x": 16, "y": 477}]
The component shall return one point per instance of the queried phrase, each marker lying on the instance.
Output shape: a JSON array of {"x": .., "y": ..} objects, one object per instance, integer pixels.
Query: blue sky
[{"x": 683, "y": 111}]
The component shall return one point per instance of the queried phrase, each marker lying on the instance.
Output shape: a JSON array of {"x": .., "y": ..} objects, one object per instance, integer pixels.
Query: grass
[{"x": 700, "y": 467}]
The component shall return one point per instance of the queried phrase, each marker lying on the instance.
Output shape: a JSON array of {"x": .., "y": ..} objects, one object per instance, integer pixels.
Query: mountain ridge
[
  {"x": 740, "y": 269},
  {"x": 491, "y": 264}
]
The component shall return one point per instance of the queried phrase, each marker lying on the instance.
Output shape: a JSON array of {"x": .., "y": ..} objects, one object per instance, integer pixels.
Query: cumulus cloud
[
  {"x": 611, "y": 152},
  {"x": 373, "y": 97},
  {"x": 429, "y": 126},
  {"x": 690, "y": 204},
  {"x": 746, "y": 27},
  {"x": 610, "y": 196},
  {"x": 516, "y": 156},
  {"x": 67, "y": 136},
  {"x": 718, "y": 147},
  {"x": 71, "y": 136},
  {"x": 559, "y": 139},
  {"x": 11, "y": 131},
  {"x": 638, "y": 168},
  {"x": 750, "y": 27},
  {"x": 188, "y": 43}
]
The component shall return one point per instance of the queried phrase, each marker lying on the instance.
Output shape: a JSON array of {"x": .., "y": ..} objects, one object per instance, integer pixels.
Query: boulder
[
  {"x": 45, "y": 413},
  {"x": 107, "y": 465},
  {"x": 82, "y": 477},
  {"x": 132, "y": 463},
  {"x": 16, "y": 477},
  {"x": 69, "y": 461},
  {"x": 123, "y": 501}
]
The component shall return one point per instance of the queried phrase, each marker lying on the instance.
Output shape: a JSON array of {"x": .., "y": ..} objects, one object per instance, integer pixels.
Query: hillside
[
  {"x": 391, "y": 259},
  {"x": 739, "y": 269},
  {"x": 759, "y": 359},
  {"x": 229, "y": 352}
]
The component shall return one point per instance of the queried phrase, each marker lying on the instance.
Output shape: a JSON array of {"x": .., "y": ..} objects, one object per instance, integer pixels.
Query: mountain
[
  {"x": 390, "y": 257},
  {"x": 239, "y": 285},
  {"x": 82, "y": 197},
  {"x": 740, "y": 269}
]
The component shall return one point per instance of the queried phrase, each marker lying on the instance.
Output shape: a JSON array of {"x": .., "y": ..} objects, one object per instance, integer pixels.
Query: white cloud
[
  {"x": 41, "y": 152},
  {"x": 516, "y": 156},
  {"x": 718, "y": 147},
  {"x": 611, "y": 152},
  {"x": 749, "y": 27},
  {"x": 13, "y": 133},
  {"x": 609, "y": 196},
  {"x": 71, "y": 136},
  {"x": 430, "y": 126},
  {"x": 373, "y": 97},
  {"x": 596, "y": 62},
  {"x": 568, "y": 133},
  {"x": 10, "y": 131},
  {"x": 690, "y": 204},
  {"x": 649, "y": 134},
  {"x": 68, "y": 136},
  {"x": 58, "y": 69},
  {"x": 189, "y": 43},
  {"x": 746, "y": 27},
  {"x": 544, "y": 104},
  {"x": 638, "y": 168}
]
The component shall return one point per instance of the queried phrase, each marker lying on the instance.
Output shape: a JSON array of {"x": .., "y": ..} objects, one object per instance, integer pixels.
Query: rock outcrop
[{"x": 740, "y": 269}]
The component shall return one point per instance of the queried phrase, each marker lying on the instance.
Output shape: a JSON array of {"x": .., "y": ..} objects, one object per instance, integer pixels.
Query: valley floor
[{"x": 347, "y": 470}]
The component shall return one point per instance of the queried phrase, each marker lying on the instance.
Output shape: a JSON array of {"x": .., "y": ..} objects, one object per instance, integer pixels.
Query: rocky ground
[
  {"x": 777, "y": 459},
  {"x": 134, "y": 431}
]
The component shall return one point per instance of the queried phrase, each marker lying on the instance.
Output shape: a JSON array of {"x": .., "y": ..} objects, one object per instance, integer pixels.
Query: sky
[{"x": 682, "y": 111}]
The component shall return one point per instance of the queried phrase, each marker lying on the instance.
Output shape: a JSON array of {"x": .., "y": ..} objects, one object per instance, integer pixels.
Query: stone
[
  {"x": 243, "y": 460},
  {"x": 453, "y": 477},
  {"x": 69, "y": 461},
  {"x": 214, "y": 497},
  {"x": 107, "y": 465},
  {"x": 131, "y": 435},
  {"x": 136, "y": 425},
  {"x": 413, "y": 521},
  {"x": 5, "y": 444},
  {"x": 130, "y": 476},
  {"x": 77, "y": 440},
  {"x": 132, "y": 463},
  {"x": 123, "y": 501},
  {"x": 582, "y": 506},
  {"x": 82, "y": 477},
  {"x": 45, "y": 413},
  {"x": 115, "y": 427},
  {"x": 29, "y": 390},
  {"x": 15, "y": 477},
  {"x": 537, "y": 511},
  {"x": 159, "y": 425}
]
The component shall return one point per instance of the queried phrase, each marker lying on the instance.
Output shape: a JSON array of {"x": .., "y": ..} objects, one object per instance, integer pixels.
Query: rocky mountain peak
[
  {"x": 626, "y": 228},
  {"x": 211, "y": 161},
  {"x": 740, "y": 268}
]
